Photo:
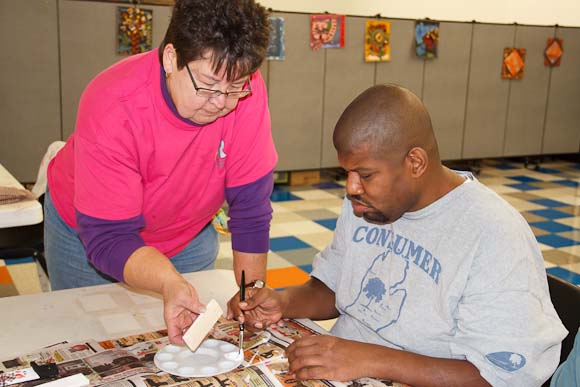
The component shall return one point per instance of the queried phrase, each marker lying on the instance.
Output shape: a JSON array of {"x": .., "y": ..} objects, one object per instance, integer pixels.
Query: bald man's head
[{"x": 387, "y": 119}]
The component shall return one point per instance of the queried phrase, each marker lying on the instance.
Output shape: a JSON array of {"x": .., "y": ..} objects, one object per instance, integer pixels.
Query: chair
[
  {"x": 24, "y": 241},
  {"x": 28, "y": 241},
  {"x": 566, "y": 299}
]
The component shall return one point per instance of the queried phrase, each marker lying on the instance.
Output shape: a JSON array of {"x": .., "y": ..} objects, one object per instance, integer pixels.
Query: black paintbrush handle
[{"x": 243, "y": 286}]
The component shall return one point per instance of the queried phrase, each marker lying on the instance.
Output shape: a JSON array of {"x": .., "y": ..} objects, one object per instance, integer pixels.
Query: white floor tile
[
  {"x": 572, "y": 222},
  {"x": 522, "y": 205},
  {"x": 503, "y": 189},
  {"x": 315, "y": 194},
  {"x": 544, "y": 247},
  {"x": 277, "y": 262},
  {"x": 318, "y": 241},
  {"x": 225, "y": 251},
  {"x": 295, "y": 228}
]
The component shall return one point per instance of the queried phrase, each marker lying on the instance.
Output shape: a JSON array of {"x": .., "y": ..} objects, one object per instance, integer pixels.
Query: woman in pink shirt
[{"x": 161, "y": 140}]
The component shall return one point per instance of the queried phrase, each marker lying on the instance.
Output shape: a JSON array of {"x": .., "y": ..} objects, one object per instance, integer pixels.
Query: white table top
[
  {"x": 30, "y": 322},
  {"x": 21, "y": 213}
]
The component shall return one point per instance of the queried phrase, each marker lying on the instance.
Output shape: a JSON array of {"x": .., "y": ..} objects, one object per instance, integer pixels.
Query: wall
[
  {"x": 540, "y": 12},
  {"x": 83, "y": 56},
  {"x": 475, "y": 112},
  {"x": 29, "y": 84}
]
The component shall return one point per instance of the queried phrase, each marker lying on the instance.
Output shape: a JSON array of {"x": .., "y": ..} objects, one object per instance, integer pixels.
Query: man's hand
[
  {"x": 262, "y": 308},
  {"x": 327, "y": 357},
  {"x": 234, "y": 311},
  {"x": 181, "y": 308}
]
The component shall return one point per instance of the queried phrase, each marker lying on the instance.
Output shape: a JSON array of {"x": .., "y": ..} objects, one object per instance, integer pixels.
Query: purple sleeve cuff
[
  {"x": 250, "y": 214},
  {"x": 110, "y": 243}
]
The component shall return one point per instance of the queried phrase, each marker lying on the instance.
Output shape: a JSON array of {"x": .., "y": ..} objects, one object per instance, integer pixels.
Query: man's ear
[
  {"x": 417, "y": 161},
  {"x": 169, "y": 58}
]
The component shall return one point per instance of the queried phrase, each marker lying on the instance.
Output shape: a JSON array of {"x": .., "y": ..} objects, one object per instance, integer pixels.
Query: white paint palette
[{"x": 211, "y": 358}]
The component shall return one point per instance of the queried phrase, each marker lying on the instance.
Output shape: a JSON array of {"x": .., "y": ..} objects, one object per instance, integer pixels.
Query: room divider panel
[
  {"x": 445, "y": 87},
  {"x": 562, "y": 131},
  {"x": 50, "y": 59}
]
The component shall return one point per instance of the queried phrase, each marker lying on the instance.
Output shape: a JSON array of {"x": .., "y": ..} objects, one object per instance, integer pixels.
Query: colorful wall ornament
[
  {"x": 513, "y": 63},
  {"x": 553, "y": 52},
  {"x": 426, "y": 38},
  {"x": 326, "y": 31},
  {"x": 134, "y": 31},
  {"x": 276, "y": 50},
  {"x": 377, "y": 41}
]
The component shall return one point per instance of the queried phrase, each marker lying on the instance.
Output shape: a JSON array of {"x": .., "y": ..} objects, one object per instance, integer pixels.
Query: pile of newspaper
[{"x": 128, "y": 361}]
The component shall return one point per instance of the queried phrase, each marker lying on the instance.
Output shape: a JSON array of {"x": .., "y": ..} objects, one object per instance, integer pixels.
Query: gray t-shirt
[{"x": 462, "y": 278}]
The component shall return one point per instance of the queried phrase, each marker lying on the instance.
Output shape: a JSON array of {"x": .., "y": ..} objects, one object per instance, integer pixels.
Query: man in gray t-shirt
[{"x": 434, "y": 278}]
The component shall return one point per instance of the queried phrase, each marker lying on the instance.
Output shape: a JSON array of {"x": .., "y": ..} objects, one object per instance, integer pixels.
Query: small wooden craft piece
[{"x": 202, "y": 325}]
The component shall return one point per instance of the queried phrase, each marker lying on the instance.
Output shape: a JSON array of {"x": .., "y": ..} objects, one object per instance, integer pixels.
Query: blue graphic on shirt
[
  {"x": 382, "y": 292},
  {"x": 507, "y": 361},
  {"x": 375, "y": 289},
  {"x": 378, "y": 305},
  {"x": 421, "y": 257}
]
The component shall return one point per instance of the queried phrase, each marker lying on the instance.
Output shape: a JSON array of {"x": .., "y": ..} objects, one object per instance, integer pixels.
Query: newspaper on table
[{"x": 128, "y": 361}]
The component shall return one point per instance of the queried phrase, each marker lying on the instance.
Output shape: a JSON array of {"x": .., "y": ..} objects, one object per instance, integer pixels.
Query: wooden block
[
  {"x": 202, "y": 325},
  {"x": 281, "y": 177},
  {"x": 304, "y": 177}
]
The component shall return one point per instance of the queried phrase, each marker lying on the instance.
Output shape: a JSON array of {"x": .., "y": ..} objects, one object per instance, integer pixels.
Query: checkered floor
[
  {"x": 548, "y": 198},
  {"x": 304, "y": 217},
  {"x": 21, "y": 276}
]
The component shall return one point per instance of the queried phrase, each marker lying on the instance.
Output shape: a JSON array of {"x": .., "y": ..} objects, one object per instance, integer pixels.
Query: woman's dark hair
[{"x": 234, "y": 32}]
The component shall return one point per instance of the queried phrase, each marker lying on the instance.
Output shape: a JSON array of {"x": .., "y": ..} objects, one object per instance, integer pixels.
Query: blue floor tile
[
  {"x": 504, "y": 166},
  {"x": 328, "y": 185},
  {"x": 523, "y": 179},
  {"x": 287, "y": 243},
  {"x": 306, "y": 268},
  {"x": 548, "y": 171},
  {"x": 16, "y": 261},
  {"x": 551, "y": 214},
  {"x": 523, "y": 187},
  {"x": 552, "y": 226},
  {"x": 548, "y": 203},
  {"x": 565, "y": 274},
  {"x": 566, "y": 183},
  {"x": 328, "y": 223},
  {"x": 555, "y": 241},
  {"x": 279, "y": 195}
]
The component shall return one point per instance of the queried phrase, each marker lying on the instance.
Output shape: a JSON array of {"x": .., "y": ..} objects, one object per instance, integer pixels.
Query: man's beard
[
  {"x": 372, "y": 215},
  {"x": 375, "y": 217}
]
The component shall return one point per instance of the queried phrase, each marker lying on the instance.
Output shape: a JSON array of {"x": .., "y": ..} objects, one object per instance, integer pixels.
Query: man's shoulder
[{"x": 483, "y": 202}]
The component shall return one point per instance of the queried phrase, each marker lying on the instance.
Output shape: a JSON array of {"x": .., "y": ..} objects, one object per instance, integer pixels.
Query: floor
[
  {"x": 21, "y": 276},
  {"x": 548, "y": 197},
  {"x": 304, "y": 217}
]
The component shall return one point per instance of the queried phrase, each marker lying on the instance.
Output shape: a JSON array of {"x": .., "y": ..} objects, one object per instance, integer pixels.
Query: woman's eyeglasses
[{"x": 209, "y": 93}]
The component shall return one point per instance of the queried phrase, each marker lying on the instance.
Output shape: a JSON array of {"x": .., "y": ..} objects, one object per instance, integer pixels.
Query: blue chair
[{"x": 566, "y": 299}]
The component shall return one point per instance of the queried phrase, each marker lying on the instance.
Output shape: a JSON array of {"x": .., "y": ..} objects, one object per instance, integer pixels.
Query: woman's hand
[{"x": 181, "y": 308}]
